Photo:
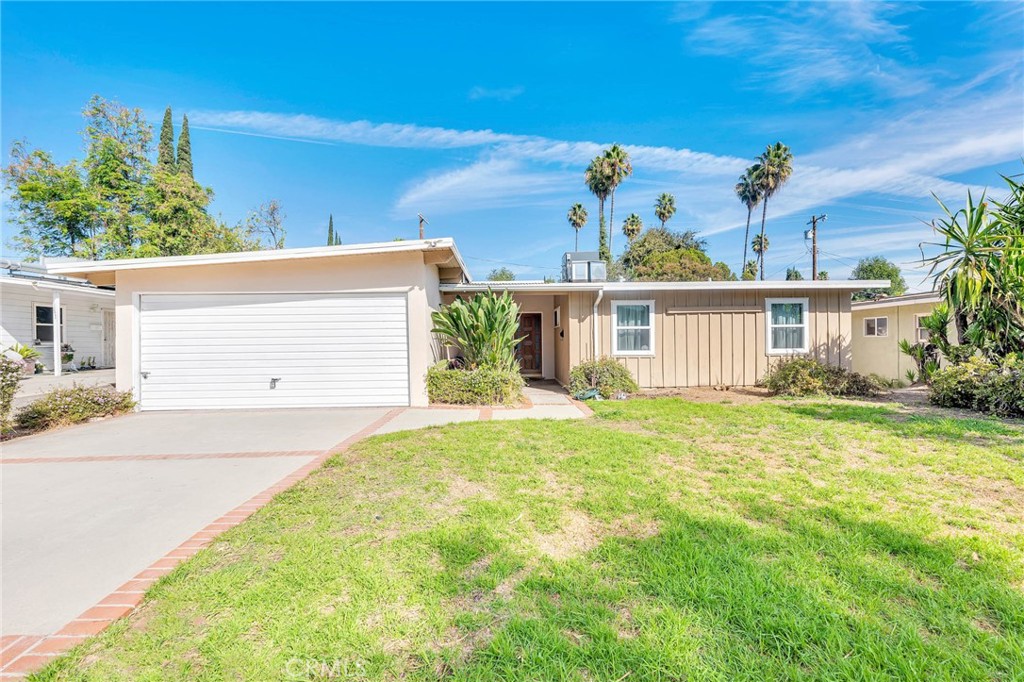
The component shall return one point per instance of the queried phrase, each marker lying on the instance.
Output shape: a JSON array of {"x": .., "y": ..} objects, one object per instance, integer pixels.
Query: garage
[{"x": 237, "y": 350}]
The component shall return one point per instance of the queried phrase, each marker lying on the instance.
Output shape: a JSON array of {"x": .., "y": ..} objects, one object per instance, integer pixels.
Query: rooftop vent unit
[{"x": 584, "y": 266}]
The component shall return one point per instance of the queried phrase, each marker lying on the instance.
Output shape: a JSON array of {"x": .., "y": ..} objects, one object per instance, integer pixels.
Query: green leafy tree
[
  {"x": 748, "y": 191},
  {"x": 618, "y": 168},
  {"x": 772, "y": 171},
  {"x": 333, "y": 236},
  {"x": 179, "y": 224},
  {"x": 657, "y": 240},
  {"x": 760, "y": 246},
  {"x": 596, "y": 179},
  {"x": 165, "y": 149},
  {"x": 264, "y": 226},
  {"x": 577, "y": 217},
  {"x": 184, "y": 159},
  {"x": 749, "y": 271},
  {"x": 665, "y": 208},
  {"x": 681, "y": 265},
  {"x": 501, "y": 274},
  {"x": 793, "y": 275},
  {"x": 632, "y": 226},
  {"x": 877, "y": 267}
]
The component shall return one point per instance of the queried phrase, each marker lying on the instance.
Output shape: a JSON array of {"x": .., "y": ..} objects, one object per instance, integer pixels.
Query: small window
[
  {"x": 43, "y": 322},
  {"x": 876, "y": 326},
  {"x": 921, "y": 332},
  {"x": 558, "y": 316},
  {"x": 633, "y": 327},
  {"x": 787, "y": 327}
]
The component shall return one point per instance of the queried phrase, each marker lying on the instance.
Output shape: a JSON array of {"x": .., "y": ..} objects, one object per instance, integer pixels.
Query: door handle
[{"x": 273, "y": 382}]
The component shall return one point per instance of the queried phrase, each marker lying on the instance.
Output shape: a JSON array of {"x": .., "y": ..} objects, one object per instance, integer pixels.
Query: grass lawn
[{"x": 661, "y": 540}]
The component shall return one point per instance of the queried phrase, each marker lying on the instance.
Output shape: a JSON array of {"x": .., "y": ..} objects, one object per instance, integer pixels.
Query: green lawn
[{"x": 661, "y": 540}]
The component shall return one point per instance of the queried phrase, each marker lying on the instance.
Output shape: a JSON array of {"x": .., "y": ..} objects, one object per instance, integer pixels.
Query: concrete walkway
[{"x": 95, "y": 513}]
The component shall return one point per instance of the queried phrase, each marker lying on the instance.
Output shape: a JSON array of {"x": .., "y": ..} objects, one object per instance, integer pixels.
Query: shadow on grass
[{"x": 816, "y": 595}]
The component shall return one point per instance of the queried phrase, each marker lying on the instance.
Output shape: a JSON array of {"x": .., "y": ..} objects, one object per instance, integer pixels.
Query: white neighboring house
[{"x": 27, "y": 301}]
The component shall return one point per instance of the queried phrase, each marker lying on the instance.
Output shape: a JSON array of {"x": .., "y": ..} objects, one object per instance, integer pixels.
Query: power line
[{"x": 518, "y": 265}]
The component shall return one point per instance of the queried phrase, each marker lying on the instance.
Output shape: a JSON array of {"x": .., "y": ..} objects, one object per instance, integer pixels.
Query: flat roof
[
  {"x": 49, "y": 284},
  {"x": 895, "y": 301},
  {"x": 756, "y": 285},
  {"x": 92, "y": 267}
]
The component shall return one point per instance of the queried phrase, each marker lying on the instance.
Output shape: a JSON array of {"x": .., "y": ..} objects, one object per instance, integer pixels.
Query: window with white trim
[
  {"x": 632, "y": 327},
  {"x": 921, "y": 333},
  {"x": 787, "y": 325},
  {"x": 876, "y": 326},
  {"x": 42, "y": 318}
]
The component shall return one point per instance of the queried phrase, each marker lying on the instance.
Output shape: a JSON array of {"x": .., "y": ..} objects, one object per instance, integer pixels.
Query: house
[
  {"x": 880, "y": 325},
  {"x": 28, "y": 297},
  {"x": 350, "y": 325}
]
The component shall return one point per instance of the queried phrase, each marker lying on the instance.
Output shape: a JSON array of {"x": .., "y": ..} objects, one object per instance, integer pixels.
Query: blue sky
[{"x": 484, "y": 116}]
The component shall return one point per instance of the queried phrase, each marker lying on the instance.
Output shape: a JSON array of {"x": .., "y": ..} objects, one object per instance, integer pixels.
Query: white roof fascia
[
  {"x": 787, "y": 285},
  {"x": 896, "y": 301},
  {"x": 49, "y": 285}
]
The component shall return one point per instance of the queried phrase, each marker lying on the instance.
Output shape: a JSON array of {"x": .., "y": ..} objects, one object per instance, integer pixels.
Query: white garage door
[{"x": 272, "y": 350}]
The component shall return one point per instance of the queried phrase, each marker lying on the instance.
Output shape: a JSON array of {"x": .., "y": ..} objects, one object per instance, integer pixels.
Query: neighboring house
[
  {"x": 28, "y": 298},
  {"x": 350, "y": 325},
  {"x": 878, "y": 327}
]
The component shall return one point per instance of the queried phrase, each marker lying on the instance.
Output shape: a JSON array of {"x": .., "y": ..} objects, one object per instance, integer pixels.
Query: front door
[
  {"x": 109, "y": 328},
  {"x": 528, "y": 352}
]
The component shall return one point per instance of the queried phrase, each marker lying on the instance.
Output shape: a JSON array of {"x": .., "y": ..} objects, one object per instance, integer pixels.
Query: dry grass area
[{"x": 665, "y": 539}]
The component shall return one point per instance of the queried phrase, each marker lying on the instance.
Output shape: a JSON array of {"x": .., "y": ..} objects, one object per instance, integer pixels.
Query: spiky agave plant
[{"x": 483, "y": 327}]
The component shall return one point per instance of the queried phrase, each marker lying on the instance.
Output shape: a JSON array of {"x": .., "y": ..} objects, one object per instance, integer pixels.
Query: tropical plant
[
  {"x": 26, "y": 352},
  {"x": 772, "y": 171},
  {"x": 596, "y": 179},
  {"x": 619, "y": 168},
  {"x": 793, "y": 275},
  {"x": 760, "y": 245},
  {"x": 749, "y": 271},
  {"x": 483, "y": 327},
  {"x": 878, "y": 267},
  {"x": 665, "y": 208},
  {"x": 749, "y": 193},
  {"x": 632, "y": 226},
  {"x": 577, "y": 217}
]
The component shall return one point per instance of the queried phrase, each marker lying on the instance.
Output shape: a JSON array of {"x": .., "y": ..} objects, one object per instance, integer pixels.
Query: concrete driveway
[{"x": 86, "y": 509}]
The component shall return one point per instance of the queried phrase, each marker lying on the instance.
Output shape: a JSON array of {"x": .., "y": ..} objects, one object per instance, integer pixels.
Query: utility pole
[
  {"x": 423, "y": 221},
  {"x": 813, "y": 235}
]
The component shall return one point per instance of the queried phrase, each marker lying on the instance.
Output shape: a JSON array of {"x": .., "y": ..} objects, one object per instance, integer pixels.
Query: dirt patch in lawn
[{"x": 735, "y": 395}]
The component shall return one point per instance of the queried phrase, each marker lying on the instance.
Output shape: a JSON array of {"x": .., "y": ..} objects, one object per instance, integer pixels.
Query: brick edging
[{"x": 22, "y": 654}]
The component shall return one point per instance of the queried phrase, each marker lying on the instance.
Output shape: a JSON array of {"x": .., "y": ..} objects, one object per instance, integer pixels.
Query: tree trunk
[
  {"x": 746, "y": 240},
  {"x": 764, "y": 216},
  {"x": 577, "y": 241},
  {"x": 611, "y": 228}
]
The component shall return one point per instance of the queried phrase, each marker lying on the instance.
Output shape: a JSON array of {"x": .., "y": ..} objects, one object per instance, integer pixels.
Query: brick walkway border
[{"x": 22, "y": 654}]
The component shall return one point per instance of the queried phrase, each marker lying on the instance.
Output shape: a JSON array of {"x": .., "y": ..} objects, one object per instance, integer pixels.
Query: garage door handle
[
  {"x": 145, "y": 375},
  {"x": 273, "y": 382}
]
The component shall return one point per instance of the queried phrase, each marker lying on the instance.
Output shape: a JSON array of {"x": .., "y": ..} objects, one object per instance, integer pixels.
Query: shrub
[
  {"x": 806, "y": 376},
  {"x": 484, "y": 328},
  {"x": 980, "y": 384},
  {"x": 606, "y": 375},
  {"x": 63, "y": 406},
  {"x": 480, "y": 386},
  {"x": 10, "y": 375}
]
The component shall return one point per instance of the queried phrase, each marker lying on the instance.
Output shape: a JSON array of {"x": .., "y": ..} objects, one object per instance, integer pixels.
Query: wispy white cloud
[{"x": 501, "y": 94}]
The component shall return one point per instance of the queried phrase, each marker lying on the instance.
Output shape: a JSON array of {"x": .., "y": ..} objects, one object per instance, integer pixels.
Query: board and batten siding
[
  {"x": 716, "y": 338},
  {"x": 83, "y": 323}
]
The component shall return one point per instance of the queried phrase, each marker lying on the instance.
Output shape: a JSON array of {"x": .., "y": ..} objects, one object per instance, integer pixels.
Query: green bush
[
  {"x": 979, "y": 384},
  {"x": 480, "y": 386},
  {"x": 608, "y": 376},
  {"x": 10, "y": 375},
  {"x": 63, "y": 406},
  {"x": 806, "y": 376}
]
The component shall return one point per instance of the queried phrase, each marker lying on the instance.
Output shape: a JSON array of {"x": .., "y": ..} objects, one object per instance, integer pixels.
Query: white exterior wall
[{"x": 83, "y": 319}]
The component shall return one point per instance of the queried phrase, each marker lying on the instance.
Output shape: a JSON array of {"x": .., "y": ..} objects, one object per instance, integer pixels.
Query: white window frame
[
  {"x": 63, "y": 325},
  {"x": 876, "y": 334},
  {"x": 615, "y": 329},
  {"x": 769, "y": 350},
  {"x": 918, "y": 329}
]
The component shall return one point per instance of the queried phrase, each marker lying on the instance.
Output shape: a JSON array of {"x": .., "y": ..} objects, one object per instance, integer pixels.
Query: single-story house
[
  {"x": 880, "y": 325},
  {"x": 28, "y": 299},
  {"x": 350, "y": 325}
]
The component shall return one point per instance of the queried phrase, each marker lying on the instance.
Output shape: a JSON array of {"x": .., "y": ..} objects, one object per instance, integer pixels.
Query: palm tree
[
  {"x": 596, "y": 178},
  {"x": 619, "y": 168},
  {"x": 760, "y": 245},
  {"x": 632, "y": 226},
  {"x": 577, "y": 217},
  {"x": 749, "y": 195},
  {"x": 772, "y": 170},
  {"x": 665, "y": 208}
]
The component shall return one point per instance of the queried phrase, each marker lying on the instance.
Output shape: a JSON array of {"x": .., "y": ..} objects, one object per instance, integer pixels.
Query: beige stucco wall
[
  {"x": 881, "y": 354},
  {"x": 391, "y": 273},
  {"x": 720, "y": 340}
]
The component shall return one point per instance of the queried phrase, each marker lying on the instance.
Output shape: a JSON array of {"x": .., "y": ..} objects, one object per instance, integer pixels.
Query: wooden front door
[
  {"x": 528, "y": 352},
  {"x": 109, "y": 328}
]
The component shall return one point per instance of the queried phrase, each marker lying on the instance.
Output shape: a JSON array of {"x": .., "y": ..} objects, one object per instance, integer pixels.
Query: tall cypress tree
[
  {"x": 330, "y": 231},
  {"x": 184, "y": 164},
  {"x": 165, "y": 152}
]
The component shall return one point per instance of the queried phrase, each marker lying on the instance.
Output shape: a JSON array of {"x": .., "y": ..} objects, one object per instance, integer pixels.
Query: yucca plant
[{"x": 483, "y": 327}]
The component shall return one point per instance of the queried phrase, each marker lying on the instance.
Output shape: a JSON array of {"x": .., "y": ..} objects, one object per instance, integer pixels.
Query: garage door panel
[{"x": 221, "y": 350}]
